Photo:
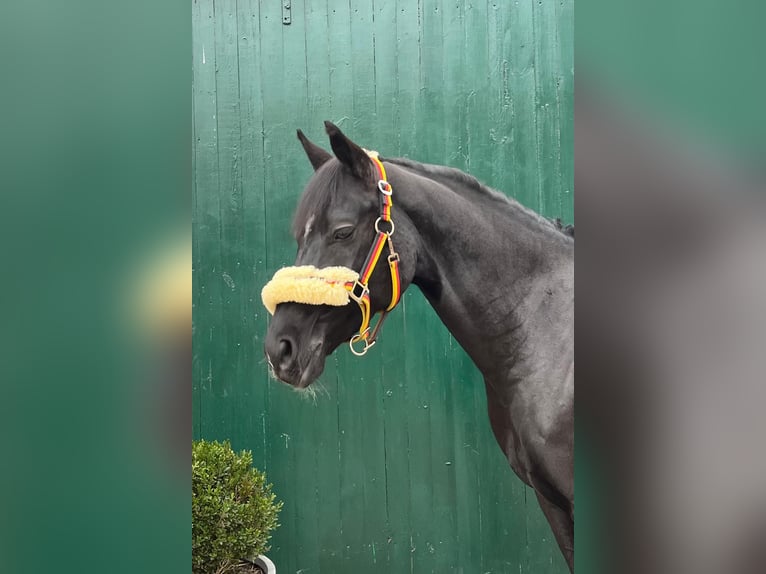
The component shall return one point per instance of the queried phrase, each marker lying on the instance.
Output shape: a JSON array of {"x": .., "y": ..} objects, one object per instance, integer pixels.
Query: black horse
[{"x": 499, "y": 276}]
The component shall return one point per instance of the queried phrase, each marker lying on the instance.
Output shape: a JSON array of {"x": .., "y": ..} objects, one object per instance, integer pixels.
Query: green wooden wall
[{"x": 392, "y": 466}]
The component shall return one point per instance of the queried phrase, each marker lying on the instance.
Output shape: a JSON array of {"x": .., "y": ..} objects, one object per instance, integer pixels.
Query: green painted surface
[{"x": 393, "y": 467}]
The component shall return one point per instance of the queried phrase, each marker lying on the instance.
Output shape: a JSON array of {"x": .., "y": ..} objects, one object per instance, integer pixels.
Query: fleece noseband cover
[{"x": 307, "y": 284}]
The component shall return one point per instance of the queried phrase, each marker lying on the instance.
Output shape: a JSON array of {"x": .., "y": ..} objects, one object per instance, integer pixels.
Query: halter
[
  {"x": 336, "y": 285},
  {"x": 359, "y": 290}
]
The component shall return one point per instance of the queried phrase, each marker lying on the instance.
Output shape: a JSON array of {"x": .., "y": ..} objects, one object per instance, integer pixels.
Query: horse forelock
[{"x": 320, "y": 191}]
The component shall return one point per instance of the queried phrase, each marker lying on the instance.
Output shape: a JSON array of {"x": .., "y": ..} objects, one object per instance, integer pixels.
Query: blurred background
[
  {"x": 670, "y": 284},
  {"x": 95, "y": 287},
  {"x": 94, "y": 198}
]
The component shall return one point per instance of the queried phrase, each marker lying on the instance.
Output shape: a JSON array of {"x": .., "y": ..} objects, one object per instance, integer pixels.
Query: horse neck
[{"x": 495, "y": 273}]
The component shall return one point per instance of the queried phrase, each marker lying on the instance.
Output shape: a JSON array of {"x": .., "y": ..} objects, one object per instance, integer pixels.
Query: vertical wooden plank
[
  {"x": 565, "y": 76},
  {"x": 339, "y": 55},
  {"x": 431, "y": 144},
  {"x": 444, "y": 543},
  {"x": 252, "y": 415},
  {"x": 196, "y": 253},
  {"x": 503, "y": 129},
  {"x": 548, "y": 130},
  {"x": 326, "y": 489},
  {"x": 386, "y": 81},
  {"x": 219, "y": 377},
  {"x": 517, "y": 75},
  {"x": 228, "y": 343},
  {"x": 317, "y": 48},
  {"x": 477, "y": 101},
  {"x": 363, "y": 71},
  {"x": 396, "y": 427},
  {"x": 416, "y": 360},
  {"x": 452, "y": 85},
  {"x": 409, "y": 55},
  {"x": 208, "y": 222}
]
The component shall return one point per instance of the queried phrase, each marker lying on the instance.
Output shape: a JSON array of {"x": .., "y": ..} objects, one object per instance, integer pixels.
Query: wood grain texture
[{"x": 393, "y": 466}]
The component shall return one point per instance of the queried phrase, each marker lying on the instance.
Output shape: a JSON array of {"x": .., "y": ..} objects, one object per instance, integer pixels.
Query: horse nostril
[
  {"x": 285, "y": 349},
  {"x": 281, "y": 353}
]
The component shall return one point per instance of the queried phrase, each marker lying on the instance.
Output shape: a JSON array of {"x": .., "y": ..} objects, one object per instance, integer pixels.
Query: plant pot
[{"x": 264, "y": 564}]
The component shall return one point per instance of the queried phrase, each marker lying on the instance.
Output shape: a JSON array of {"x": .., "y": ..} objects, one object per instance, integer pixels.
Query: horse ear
[
  {"x": 349, "y": 154},
  {"x": 317, "y": 156}
]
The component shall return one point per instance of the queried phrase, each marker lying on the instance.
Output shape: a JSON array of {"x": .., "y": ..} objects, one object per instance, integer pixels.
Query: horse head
[{"x": 320, "y": 302}]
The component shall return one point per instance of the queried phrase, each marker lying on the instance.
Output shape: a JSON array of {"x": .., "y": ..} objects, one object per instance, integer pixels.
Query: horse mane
[{"x": 433, "y": 171}]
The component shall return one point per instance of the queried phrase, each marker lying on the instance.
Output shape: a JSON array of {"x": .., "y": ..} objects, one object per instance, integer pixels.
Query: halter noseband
[{"x": 359, "y": 290}]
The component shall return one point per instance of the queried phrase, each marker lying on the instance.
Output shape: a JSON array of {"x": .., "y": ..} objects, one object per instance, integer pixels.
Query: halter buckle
[
  {"x": 363, "y": 290},
  {"x": 393, "y": 258},
  {"x": 385, "y": 187}
]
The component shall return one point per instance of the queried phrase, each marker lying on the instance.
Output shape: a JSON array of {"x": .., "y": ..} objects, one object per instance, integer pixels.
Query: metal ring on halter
[
  {"x": 389, "y": 233},
  {"x": 360, "y": 337},
  {"x": 385, "y": 187}
]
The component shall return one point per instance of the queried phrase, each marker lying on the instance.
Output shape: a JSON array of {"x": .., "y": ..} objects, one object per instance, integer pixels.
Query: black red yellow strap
[
  {"x": 359, "y": 290},
  {"x": 387, "y": 202}
]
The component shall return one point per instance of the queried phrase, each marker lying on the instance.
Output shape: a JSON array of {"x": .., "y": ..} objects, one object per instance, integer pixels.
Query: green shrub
[{"x": 233, "y": 508}]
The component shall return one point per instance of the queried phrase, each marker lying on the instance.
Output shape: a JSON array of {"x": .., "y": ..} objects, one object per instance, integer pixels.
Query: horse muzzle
[{"x": 292, "y": 361}]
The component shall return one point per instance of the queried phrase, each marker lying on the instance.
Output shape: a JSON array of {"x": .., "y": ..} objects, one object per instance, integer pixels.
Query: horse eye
[{"x": 344, "y": 232}]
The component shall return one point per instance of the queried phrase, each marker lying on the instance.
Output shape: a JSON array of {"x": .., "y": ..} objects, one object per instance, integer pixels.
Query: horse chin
[{"x": 312, "y": 372}]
